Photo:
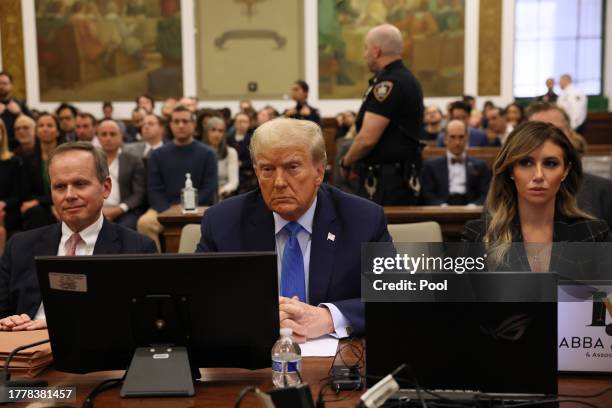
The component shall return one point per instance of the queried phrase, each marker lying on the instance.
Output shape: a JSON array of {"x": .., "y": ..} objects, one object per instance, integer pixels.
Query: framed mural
[
  {"x": 93, "y": 50},
  {"x": 433, "y": 32},
  {"x": 249, "y": 48}
]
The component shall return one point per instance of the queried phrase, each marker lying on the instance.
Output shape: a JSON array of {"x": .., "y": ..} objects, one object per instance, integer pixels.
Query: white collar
[
  {"x": 89, "y": 235},
  {"x": 154, "y": 146},
  {"x": 305, "y": 220},
  {"x": 450, "y": 156}
]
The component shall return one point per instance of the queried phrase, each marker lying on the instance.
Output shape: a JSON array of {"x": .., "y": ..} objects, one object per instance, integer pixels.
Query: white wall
[
  {"x": 607, "y": 91},
  {"x": 327, "y": 107}
]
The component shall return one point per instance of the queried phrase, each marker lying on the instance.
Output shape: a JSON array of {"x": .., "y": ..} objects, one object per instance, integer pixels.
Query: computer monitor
[
  {"x": 166, "y": 314},
  {"x": 492, "y": 347}
]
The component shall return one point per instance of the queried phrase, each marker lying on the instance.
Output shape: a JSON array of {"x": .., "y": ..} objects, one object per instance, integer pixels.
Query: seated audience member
[
  {"x": 595, "y": 192},
  {"x": 266, "y": 114},
  {"x": 167, "y": 107},
  {"x": 67, "y": 114},
  {"x": 316, "y": 230},
  {"x": 432, "y": 123},
  {"x": 146, "y": 103},
  {"x": 10, "y": 107},
  {"x": 246, "y": 106},
  {"x": 226, "y": 115},
  {"x": 532, "y": 199},
  {"x": 152, "y": 138},
  {"x": 25, "y": 135},
  {"x": 80, "y": 183},
  {"x": 550, "y": 95},
  {"x": 227, "y": 157},
  {"x": 240, "y": 140},
  {"x": 498, "y": 127},
  {"x": 456, "y": 178},
  {"x": 167, "y": 167},
  {"x": 133, "y": 130},
  {"x": 11, "y": 174},
  {"x": 461, "y": 111},
  {"x": 36, "y": 207},
  {"x": 302, "y": 110},
  {"x": 486, "y": 107},
  {"x": 86, "y": 128},
  {"x": 574, "y": 102},
  {"x": 202, "y": 121},
  {"x": 515, "y": 114},
  {"x": 475, "y": 119},
  {"x": 345, "y": 121},
  {"x": 190, "y": 102},
  {"x": 107, "y": 110},
  {"x": 124, "y": 204}
]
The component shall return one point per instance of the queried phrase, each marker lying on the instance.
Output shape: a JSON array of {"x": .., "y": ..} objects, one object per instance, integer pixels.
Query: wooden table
[
  {"x": 451, "y": 220},
  {"x": 221, "y": 387}
]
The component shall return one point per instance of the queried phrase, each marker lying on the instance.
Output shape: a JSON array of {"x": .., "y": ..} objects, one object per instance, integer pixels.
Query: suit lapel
[
  {"x": 49, "y": 241},
  {"x": 108, "y": 240},
  {"x": 443, "y": 177},
  {"x": 322, "y": 249},
  {"x": 258, "y": 225},
  {"x": 123, "y": 175}
]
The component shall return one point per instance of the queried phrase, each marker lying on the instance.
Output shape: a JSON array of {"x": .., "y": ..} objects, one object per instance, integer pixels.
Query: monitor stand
[{"x": 159, "y": 371}]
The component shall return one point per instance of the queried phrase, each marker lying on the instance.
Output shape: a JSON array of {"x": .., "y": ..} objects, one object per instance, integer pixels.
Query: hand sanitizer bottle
[{"x": 188, "y": 195}]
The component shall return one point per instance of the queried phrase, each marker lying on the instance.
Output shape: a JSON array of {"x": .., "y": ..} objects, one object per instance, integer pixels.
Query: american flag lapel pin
[{"x": 331, "y": 237}]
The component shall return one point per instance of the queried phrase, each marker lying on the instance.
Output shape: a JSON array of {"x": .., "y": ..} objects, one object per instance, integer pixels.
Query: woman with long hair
[
  {"x": 227, "y": 157},
  {"x": 37, "y": 207},
  {"x": 532, "y": 199}
]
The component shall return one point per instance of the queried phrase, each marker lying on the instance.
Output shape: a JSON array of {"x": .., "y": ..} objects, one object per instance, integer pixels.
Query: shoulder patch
[{"x": 382, "y": 90}]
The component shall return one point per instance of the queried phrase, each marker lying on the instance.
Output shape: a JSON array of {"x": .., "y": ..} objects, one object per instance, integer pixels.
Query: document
[{"x": 324, "y": 346}]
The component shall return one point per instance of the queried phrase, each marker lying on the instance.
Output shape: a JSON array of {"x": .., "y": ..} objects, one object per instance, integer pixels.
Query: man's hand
[
  {"x": 111, "y": 213},
  {"x": 2, "y": 108},
  {"x": 26, "y": 205},
  {"x": 21, "y": 322},
  {"x": 305, "y": 111},
  {"x": 307, "y": 322},
  {"x": 14, "y": 107},
  {"x": 290, "y": 112}
]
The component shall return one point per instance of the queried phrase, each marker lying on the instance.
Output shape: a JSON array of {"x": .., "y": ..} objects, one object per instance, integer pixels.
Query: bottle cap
[
  {"x": 286, "y": 331},
  {"x": 188, "y": 182}
]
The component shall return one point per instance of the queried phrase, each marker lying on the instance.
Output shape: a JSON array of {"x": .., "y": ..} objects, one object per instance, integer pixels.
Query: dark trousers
[{"x": 390, "y": 190}]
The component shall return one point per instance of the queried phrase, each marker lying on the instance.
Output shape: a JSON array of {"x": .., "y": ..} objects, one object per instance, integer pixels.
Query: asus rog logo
[
  {"x": 601, "y": 303},
  {"x": 511, "y": 329}
]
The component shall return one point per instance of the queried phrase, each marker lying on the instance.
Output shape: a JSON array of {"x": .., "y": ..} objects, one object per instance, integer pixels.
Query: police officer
[
  {"x": 386, "y": 152},
  {"x": 574, "y": 101}
]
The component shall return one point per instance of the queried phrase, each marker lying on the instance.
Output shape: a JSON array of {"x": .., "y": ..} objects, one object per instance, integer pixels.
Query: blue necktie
[{"x": 292, "y": 272}]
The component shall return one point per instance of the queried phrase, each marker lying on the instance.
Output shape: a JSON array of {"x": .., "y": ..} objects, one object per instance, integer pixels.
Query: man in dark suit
[
  {"x": 460, "y": 110},
  {"x": 456, "y": 178},
  {"x": 124, "y": 204},
  {"x": 315, "y": 229},
  {"x": 79, "y": 184}
]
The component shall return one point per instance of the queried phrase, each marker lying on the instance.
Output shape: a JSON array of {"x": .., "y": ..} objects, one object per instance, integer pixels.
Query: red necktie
[{"x": 73, "y": 241}]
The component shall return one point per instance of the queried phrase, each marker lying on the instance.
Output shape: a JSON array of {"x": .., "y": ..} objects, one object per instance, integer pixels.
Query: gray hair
[
  {"x": 100, "y": 164},
  {"x": 388, "y": 37},
  {"x": 287, "y": 133}
]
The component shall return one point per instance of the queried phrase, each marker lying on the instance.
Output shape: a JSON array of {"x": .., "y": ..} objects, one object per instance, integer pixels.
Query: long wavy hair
[
  {"x": 502, "y": 200},
  {"x": 5, "y": 153}
]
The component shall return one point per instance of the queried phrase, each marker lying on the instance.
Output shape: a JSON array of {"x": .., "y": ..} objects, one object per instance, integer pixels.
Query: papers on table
[
  {"x": 29, "y": 362},
  {"x": 324, "y": 346}
]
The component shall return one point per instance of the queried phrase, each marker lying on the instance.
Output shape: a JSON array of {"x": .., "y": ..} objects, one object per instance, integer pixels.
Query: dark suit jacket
[
  {"x": 595, "y": 197},
  {"x": 476, "y": 138},
  {"x": 565, "y": 259},
  {"x": 19, "y": 292},
  {"x": 244, "y": 223},
  {"x": 132, "y": 186},
  {"x": 435, "y": 183}
]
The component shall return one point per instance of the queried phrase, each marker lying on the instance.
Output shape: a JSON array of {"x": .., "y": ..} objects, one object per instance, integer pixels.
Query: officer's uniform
[
  {"x": 389, "y": 174},
  {"x": 574, "y": 101}
]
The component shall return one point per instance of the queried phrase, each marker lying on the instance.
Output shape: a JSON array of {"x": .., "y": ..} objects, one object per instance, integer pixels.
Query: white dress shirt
[
  {"x": 341, "y": 323},
  {"x": 574, "y": 102},
  {"x": 89, "y": 236},
  {"x": 457, "y": 177},
  {"x": 114, "y": 197}
]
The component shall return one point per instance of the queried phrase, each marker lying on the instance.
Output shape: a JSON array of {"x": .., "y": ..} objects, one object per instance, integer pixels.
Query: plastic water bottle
[
  {"x": 286, "y": 361},
  {"x": 188, "y": 194}
]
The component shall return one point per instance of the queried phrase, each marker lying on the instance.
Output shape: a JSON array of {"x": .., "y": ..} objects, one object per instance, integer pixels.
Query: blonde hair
[
  {"x": 502, "y": 200},
  {"x": 286, "y": 133},
  {"x": 5, "y": 153}
]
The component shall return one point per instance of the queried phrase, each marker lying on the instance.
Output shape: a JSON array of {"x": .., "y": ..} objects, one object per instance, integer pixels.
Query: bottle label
[
  {"x": 292, "y": 366},
  {"x": 189, "y": 200}
]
